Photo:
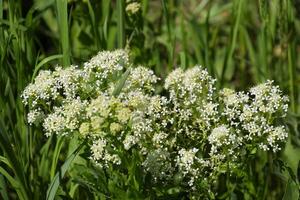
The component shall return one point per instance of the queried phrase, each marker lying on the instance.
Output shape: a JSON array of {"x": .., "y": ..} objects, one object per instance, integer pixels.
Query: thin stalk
[{"x": 291, "y": 79}]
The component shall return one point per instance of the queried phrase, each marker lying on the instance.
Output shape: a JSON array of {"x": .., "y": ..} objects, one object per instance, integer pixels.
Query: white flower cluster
[
  {"x": 101, "y": 155},
  {"x": 252, "y": 114},
  {"x": 35, "y": 116},
  {"x": 207, "y": 132},
  {"x": 187, "y": 160},
  {"x": 193, "y": 133},
  {"x": 78, "y": 100},
  {"x": 66, "y": 118},
  {"x": 133, "y": 7},
  {"x": 50, "y": 86},
  {"x": 140, "y": 78},
  {"x": 192, "y": 86}
]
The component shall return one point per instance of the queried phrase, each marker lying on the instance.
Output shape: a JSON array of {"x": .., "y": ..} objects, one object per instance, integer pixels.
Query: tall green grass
[
  {"x": 63, "y": 26},
  {"x": 240, "y": 42}
]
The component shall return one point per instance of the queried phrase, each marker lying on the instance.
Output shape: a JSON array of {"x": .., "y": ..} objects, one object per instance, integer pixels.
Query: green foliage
[
  {"x": 51, "y": 192},
  {"x": 240, "y": 42}
]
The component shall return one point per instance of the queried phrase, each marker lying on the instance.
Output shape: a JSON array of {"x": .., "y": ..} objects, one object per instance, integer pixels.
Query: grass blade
[
  {"x": 3, "y": 190},
  {"x": 62, "y": 17},
  {"x": 11, "y": 157},
  {"x": 51, "y": 192},
  {"x": 291, "y": 191},
  {"x": 121, "y": 23},
  {"x": 121, "y": 83},
  {"x": 43, "y": 62},
  {"x": 59, "y": 145},
  {"x": 94, "y": 24},
  {"x": 4, "y": 160},
  {"x": 229, "y": 54},
  {"x": 16, "y": 184},
  {"x": 291, "y": 79}
]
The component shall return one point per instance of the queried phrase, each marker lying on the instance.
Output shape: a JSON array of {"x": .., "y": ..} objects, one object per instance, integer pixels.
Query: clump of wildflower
[{"x": 190, "y": 136}]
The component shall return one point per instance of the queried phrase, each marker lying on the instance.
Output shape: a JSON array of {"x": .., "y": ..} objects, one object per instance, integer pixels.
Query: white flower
[
  {"x": 107, "y": 63},
  {"x": 185, "y": 160},
  {"x": 43, "y": 88},
  {"x": 159, "y": 138},
  {"x": 218, "y": 135},
  {"x": 209, "y": 112},
  {"x": 174, "y": 77},
  {"x": 140, "y": 78},
  {"x": 268, "y": 98},
  {"x": 68, "y": 80},
  {"x": 65, "y": 119},
  {"x": 35, "y": 116},
  {"x": 123, "y": 114},
  {"x": 84, "y": 129},
  {"x": 277, "y": 134},
  {"x": 133, "y": 7},
  {"x": 98, "y": 149},
  {"x": 100, "y": 106},
  {"x": 129, "y": 141},
  {"x": 54, "y": 123}
]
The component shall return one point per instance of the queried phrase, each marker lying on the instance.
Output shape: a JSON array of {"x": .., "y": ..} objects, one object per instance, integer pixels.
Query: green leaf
[
  {"x": 298, "y": 170},
  {"x": 121, "y": 23},
  {"x": 291, "y": 191},
  {"x": 3, "y": 191},
  {"x": 62, "y": 17},
  {"x": 121, "y": 83},
  {"x": 51, "y": 192},
  {"x": 59, "y": 145},
  {"x": 4, "y": 160},
  {"x": 43, "y": 62},
  {"x": 15, "y": 183},
  {"x": 17, "y": 168}
]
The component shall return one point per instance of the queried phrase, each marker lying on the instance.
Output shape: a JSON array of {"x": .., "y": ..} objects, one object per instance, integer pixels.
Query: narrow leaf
[
  {"x": 121, "y": 83},
  {"x": 51, "y": 192},
  {"x": 43, "y": 62}
]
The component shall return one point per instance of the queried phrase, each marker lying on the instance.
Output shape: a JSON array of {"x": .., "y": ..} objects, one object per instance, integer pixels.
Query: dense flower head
[
  {"x": 268, "y": 98},
  {"x": 192, "y": 86},
  {"x": 133, "y": 8},
  {"x": 192, "y": 134},
  {"x": 66, "y": 118},
  {"x": 52, "y": 86},
  {"x": 140, "y": 78}
]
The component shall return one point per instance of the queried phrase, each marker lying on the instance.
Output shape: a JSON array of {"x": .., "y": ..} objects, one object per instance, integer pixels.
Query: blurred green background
[{"x": 240, "y": 42}]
